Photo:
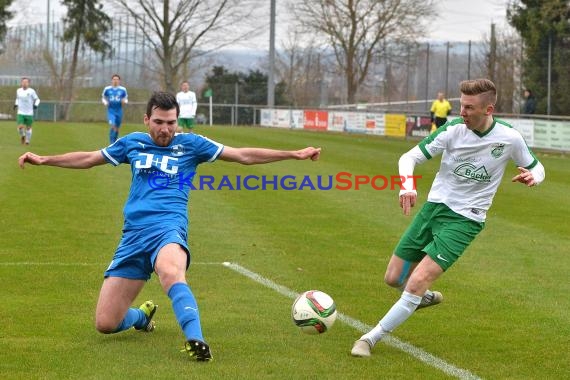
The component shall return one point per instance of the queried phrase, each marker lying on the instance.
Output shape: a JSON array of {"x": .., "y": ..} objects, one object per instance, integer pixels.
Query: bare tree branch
[
  {"x": 357, "y": 29},
  {"x": 179, "y": 30}
]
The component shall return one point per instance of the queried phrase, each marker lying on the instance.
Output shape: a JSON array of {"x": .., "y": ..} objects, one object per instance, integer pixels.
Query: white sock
[
  {"x": 28, "y": 135},
  {"x": 21, "y": 132},
  {"x": 397, "y": 315}
]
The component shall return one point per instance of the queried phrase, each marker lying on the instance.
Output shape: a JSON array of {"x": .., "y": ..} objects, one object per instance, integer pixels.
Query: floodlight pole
[
  {"x": 549, "y": 74},
  {"x": 47, "y": 25},
  {"x": 211, "y": 114},
  {"x": 270, "y": 76}
]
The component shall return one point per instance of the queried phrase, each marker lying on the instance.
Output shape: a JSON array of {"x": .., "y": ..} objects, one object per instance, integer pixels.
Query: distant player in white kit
[
  {"x": 26, "y": 102},
  {"x": 187, "y": 101},
  {"x": 476, "y": 149}
]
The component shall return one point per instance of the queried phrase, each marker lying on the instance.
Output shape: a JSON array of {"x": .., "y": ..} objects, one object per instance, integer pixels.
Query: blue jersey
[
  {"x": 161, "y": 176},
  {"x": 114, "y": 97}
]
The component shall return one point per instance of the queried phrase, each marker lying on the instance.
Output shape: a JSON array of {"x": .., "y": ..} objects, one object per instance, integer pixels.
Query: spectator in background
[
  {"x": 529, "y": 103},
  {"x": 440, "y": 110}
]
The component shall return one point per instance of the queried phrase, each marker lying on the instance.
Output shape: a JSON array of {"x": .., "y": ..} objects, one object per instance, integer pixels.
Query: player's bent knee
[
  {"x": 392, "y": 280},
  {"x": 106, "y": 325},
  {"x": 104, "y": 328},
  {"x": 170, "y": 276}
]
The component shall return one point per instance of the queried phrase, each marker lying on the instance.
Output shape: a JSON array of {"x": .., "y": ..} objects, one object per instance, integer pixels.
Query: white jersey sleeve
[
  {"x": 36, "y": 98},
  {"x": 521, "y": 154},
  {"x": 194, "y": 103},
  {"x": 435, "y": 144},
  {"x": 406, "y": 166}
]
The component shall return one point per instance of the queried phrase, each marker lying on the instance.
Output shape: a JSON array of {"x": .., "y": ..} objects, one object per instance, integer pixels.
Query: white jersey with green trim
[
  {"x": 187, "y": 103},
  {"x": 473, "y": 164},
  {"x": 26, "y": 100}
]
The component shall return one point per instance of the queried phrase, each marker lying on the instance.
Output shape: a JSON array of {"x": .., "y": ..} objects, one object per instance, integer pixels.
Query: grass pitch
[{"x": 505, "y": 315}]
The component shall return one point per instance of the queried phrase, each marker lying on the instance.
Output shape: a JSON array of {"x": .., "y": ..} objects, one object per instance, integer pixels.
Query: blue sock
[
  {"x": 186, "y": 310},
  {"x": 113, "y": 135},
  {"x": 134, "y": 318}
]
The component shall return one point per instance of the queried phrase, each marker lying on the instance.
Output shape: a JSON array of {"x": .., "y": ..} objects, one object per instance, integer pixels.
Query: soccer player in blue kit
[
  {"x": 114, "y": 97},
  {"x": 156, "y": 222}
]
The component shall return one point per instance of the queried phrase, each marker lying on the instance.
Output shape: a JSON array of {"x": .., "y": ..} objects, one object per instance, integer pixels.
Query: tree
[
  {"x": 542, "y": 24},
  {"x": 5, "y": 15},
  {"x": 301, "y": 67},
  {"x": 358, "y": 30},
  {"x": 85, "y": 25},
  {"x": 251, "y": 90},
  {"x": 178, "y": 30},
  {"x": 502, "y": 64}
]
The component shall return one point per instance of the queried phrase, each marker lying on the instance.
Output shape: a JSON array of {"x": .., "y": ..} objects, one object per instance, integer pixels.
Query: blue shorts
[
  {"x": 115, "y": 118},
  {"x": 138, "y": 249}
]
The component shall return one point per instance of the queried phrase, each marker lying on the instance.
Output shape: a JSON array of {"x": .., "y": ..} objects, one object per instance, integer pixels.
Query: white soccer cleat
[
  {"x": 361, "y": 348},
  {"x": 434, "y": 299}
]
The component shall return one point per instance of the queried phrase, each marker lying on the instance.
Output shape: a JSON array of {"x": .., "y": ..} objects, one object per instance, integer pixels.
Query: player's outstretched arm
[
  {"x": 73, "y": 160},
  {"x": 252, "y": 156}
]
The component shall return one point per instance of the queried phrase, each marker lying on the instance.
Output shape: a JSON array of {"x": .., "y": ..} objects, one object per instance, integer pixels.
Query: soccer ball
[{"x": 314, "y": 312}]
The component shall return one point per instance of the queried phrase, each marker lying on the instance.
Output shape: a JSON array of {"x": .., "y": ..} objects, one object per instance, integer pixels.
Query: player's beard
[{"x": 162, "y": 139}]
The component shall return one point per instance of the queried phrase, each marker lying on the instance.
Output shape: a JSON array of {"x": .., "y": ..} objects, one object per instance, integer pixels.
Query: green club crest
[{"x": 497, "y": 150}]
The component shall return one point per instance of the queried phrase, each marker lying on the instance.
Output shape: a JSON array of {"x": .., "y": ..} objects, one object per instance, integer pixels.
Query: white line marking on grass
[{"x": 390, "y": 340}]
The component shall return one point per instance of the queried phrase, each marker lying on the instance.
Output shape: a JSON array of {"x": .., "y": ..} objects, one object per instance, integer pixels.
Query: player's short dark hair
[
  {"x": 480, "y": 87},
  {"x": 28, "y": 79},
  {"x": 162, "y": 100},
  {"x": 116, "y": 75}
]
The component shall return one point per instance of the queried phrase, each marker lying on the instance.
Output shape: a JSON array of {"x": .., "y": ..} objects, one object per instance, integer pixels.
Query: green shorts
[
  {"x": 438, "y": 232},
  {"x": 186, "y": 122},
  {"x": 26, "y": 120}
]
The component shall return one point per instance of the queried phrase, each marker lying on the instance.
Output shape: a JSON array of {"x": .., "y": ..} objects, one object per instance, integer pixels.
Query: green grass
[
  {"x": 505, "y": 315},
  {"x": 86, "y": 106}
]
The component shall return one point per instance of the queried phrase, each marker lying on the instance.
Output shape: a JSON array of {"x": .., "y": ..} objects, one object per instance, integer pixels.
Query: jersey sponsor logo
[
  {"x": 497, "y": 150},
  {"x": 470, "y": 171},
  {"x": 163, "y": 163}
]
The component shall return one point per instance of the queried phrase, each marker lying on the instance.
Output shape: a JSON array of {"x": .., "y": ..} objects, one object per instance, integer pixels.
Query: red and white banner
[{"x": 316, "y": 120}]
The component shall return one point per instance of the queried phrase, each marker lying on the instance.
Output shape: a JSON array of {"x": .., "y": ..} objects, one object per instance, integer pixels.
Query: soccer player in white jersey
[
  {"x": 26, "y": 102},
  {"x": 154, "y": 239},
  {"x": 187, "y": 101},
  {"x": 475, "y": 151}
]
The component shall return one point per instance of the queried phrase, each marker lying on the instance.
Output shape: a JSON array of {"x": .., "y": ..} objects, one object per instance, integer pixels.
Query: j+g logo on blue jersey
[{"x": 165, "y": 164}]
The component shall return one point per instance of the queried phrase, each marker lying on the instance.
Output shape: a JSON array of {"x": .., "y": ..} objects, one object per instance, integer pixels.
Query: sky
[{"x": 458, "y": 20}]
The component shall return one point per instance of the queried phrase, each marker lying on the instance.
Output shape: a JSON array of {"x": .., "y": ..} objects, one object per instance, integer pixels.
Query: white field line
[{"x": 392, "y": 341}]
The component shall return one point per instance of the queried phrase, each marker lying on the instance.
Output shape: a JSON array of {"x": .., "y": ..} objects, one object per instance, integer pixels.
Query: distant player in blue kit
[
  {"x": 163, "y": 163},
  {"x": 114, "y": 97}
]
